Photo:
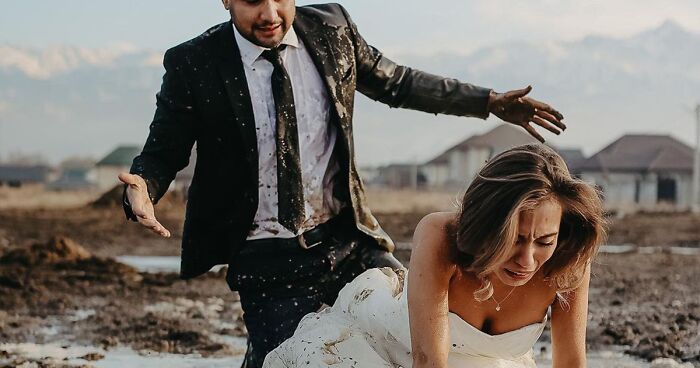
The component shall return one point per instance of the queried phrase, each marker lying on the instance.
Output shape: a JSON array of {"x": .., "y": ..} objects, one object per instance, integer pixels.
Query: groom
[{"x": 268, "y": 98}]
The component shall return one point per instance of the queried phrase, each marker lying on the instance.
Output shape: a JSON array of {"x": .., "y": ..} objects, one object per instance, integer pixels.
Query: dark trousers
[{"x": 278, "y": 288}]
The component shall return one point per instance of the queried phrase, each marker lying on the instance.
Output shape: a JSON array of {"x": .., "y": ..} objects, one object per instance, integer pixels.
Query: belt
[{"x": 307, "y": 240}]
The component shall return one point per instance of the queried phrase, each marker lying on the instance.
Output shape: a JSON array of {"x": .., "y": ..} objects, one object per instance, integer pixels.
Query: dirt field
[{"x": 57, "y": 283}]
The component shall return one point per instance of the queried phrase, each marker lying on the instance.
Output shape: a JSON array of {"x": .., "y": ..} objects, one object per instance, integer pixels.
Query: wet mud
[
  {"x": 649, "y": 303},
  {"x": 58, "y": 283},
  {"x": 58, "y": 291}
]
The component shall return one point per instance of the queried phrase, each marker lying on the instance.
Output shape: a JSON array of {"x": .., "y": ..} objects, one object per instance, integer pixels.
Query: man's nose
[
  {"x": 525, "y": 257},
  {"x": 268, "y": 13}
]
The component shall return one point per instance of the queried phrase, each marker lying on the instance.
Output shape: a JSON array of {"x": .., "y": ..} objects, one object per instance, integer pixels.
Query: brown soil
[
  {"x": 647, "y": 302},
  {"x": 642, "y": 229},
  {"x": 104, "y": 231},
  {"x": 52, "y": 284},
  {"x": 657, "y": 229}
]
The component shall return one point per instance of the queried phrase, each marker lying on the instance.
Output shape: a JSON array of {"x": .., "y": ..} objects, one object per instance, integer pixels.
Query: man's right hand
[{"x": 141, "y": 205}]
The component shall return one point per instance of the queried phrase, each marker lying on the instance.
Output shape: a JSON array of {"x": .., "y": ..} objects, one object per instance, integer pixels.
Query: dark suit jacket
[{"x": 204, "y": 98}]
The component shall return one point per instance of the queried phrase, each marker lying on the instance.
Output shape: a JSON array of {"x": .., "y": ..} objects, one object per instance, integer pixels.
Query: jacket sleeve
[
  {"x": 169, "y": 143},
  {"x": 399, "y": 86}
]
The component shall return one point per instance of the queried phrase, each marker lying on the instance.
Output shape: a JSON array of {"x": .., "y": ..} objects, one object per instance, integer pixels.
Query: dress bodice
[
  {"x": 368, "y": 326},
  {"x": 469, "y": 340}
]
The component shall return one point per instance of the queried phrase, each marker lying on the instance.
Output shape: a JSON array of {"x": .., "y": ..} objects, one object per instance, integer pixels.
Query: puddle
[
  {"x": 613, "y": 358},
  {"x": 120, "y": 357}
]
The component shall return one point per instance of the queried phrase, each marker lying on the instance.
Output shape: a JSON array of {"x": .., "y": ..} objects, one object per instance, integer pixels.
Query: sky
[{"x": 395, "y": 26}]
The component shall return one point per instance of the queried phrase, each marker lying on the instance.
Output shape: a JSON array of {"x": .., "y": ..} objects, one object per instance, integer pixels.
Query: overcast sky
[{"x": 395, "y": 25}]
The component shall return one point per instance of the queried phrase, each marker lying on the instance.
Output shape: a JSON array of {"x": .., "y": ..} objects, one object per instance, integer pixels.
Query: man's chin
[{"x": 269, "y": 41}]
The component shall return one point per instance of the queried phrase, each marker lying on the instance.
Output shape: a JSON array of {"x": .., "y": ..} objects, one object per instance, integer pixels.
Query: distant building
[
  {"x": 370, "y": 174},
  {"x": 574, "y": 159},
  {"x": 75, "y": 174},
  {"x": 399, "y": 176},
  {"x": 18, "y": 175},
  {"x": 459, "y": 164},
  {"x": 117, "y": 161},
  {"x": 639, "y": 171}
]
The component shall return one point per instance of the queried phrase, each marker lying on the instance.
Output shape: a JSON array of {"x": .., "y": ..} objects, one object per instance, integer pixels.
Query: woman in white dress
[{"x": 481, "y": 284}]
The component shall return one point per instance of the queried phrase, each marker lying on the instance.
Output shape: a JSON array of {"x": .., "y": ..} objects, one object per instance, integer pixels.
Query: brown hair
[{"x": 516, "y": 180}]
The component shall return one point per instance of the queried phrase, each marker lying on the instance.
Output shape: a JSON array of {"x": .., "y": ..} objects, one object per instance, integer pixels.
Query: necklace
[{"x": 498, "y": 304}]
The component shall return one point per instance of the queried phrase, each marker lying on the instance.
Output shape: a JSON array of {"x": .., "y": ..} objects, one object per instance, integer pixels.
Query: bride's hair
[{"x": 517, "y": 180}]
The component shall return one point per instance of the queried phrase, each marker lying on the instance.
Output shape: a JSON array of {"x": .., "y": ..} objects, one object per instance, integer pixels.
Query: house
[
  {"x": 574, "y": 158},
  {"x": 641, "y": 171},
  {"x": 75, "y": 174},
  {"x": 17, "y": 174},
  {"x": 460, "y": 163},
  {"x": 399, "y": 176},
  {"x": 117, "y": 161}
]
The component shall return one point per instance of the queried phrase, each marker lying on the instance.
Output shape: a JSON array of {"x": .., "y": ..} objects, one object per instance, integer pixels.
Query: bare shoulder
[
  {"x": 435, "y": 225},
  {"x": 431, "y": 240}
]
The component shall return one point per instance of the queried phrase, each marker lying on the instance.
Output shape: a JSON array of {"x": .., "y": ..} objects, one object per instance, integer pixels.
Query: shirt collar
[{"x": 250, "y": 52}]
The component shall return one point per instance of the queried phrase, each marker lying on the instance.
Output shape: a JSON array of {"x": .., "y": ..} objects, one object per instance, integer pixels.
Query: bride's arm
[
  {"x": 569, "y": 328},
  {"x": 428, "y": 282}
]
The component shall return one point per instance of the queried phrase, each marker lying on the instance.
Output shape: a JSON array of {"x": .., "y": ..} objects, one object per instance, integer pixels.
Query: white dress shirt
[{"x": 317, "y": 136}]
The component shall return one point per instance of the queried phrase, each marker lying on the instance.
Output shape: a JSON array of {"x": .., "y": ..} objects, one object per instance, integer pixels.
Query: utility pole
[
  {"x": 414, "y": 174},
  {"x": 696, "y": 164}
]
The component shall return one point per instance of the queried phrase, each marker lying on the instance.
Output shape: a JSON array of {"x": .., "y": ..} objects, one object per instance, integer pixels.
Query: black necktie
[{"x": 289, "y": 186}]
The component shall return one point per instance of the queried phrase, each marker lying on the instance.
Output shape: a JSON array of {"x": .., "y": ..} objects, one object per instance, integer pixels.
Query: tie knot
[{"x": 273, "y": 55}]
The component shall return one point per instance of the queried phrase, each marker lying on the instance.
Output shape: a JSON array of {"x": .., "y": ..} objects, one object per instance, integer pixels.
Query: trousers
[{"x": 278, "y": 288}]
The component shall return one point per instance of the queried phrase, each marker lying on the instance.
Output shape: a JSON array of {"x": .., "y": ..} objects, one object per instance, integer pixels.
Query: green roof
[{"x": 120, "y": 156}]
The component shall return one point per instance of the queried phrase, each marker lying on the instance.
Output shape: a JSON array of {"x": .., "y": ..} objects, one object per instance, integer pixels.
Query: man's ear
[{"x": 227, "y": 6}]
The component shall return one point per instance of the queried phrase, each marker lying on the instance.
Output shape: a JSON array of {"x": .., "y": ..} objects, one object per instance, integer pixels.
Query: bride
[{"x": 482, "y": 280}]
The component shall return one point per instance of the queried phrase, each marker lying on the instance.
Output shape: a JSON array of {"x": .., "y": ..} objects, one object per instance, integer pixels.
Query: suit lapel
[
  {"x": 314, "y": 34},
  {"x": 232, "y": 74}
]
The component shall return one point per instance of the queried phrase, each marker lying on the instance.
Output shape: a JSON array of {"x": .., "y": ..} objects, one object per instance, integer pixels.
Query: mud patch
[{"x": 58, "y": 291}]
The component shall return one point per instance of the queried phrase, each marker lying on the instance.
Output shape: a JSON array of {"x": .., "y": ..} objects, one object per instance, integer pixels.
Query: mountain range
[{"x": 65, "y": 101}]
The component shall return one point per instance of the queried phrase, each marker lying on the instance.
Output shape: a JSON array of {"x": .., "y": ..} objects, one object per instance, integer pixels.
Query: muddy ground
[{"x": 58, "y": 283}]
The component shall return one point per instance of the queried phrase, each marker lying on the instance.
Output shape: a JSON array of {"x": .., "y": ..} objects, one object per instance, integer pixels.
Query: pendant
[{"x": 498, "y": 308}]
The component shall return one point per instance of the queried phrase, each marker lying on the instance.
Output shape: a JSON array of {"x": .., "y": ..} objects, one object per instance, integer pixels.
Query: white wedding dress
[{"x": 368, "y": 327}]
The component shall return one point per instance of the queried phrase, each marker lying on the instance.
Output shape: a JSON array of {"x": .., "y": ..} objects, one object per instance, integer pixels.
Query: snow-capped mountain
[{"x": 67, "y": 100}]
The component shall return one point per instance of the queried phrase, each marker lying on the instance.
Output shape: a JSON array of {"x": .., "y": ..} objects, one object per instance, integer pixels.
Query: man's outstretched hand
[
  {"x": 141, "y": 205},
  {"x": 513, "y": 107}
]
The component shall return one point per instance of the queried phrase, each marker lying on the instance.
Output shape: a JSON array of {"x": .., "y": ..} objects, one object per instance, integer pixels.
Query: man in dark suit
[{"x": 268, "y": 98}]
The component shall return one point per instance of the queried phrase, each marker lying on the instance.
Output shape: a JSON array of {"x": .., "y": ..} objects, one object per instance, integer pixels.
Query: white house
[
  {"x": 118, "y": 160},
  {"x": 459, "y": 164},
  {"x": 642, "y": 172}
]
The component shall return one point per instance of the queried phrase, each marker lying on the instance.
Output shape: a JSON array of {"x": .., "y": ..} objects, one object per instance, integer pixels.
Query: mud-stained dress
[{"x": 368, "y": 327}]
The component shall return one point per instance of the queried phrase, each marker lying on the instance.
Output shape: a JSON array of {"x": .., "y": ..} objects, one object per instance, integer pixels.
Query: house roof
[
  {"x": 120, "y": 156},
  {"x": 35, "y": 173},
  {"x": 77, "y": 164},
  {"x": 498, "y": 139},
  {"x": 501, "y": 138},
  {"x": 642, "y": 152},
  {"x": 573, "y": 157}
]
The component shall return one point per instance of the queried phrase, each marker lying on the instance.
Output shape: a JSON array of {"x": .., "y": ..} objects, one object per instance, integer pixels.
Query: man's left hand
[{"x": 513, "y": 107}]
